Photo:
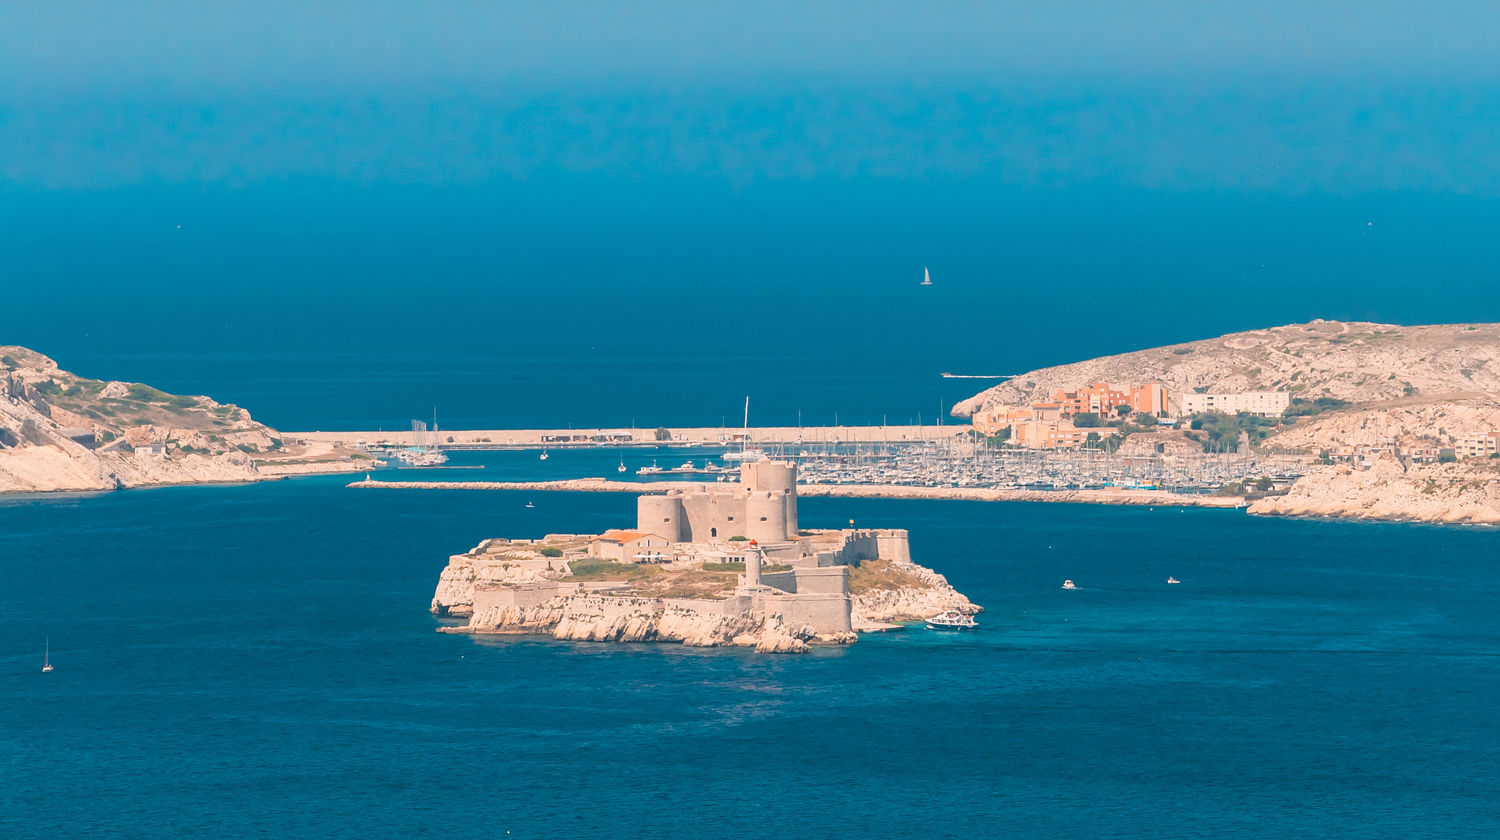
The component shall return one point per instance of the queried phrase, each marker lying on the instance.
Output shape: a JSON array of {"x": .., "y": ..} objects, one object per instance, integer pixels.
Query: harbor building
[
  {"x": 1478, "y": 446},
  {"x": 1264, "y": 403},
  {"x": 1102, "y": 398}
]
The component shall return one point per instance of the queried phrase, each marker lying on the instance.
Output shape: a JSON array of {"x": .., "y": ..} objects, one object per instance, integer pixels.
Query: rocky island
[
  {"x": 1397, "y": 422},
  {"x": 60, "y": 431},
  {"x": 705, "y": 565}
]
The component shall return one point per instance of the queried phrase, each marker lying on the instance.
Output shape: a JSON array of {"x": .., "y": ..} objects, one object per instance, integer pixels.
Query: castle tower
[
  {"x": 770, "y": 484},
  {"x": 661, "y": 515}
]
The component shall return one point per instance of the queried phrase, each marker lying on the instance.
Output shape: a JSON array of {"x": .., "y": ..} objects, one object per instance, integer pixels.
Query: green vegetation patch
[
  {"x": 656, "y": 581},
  {"x": 1221, "y": 432},
  {"x": 145, "y": 393},
  {"x": 1307, "y": 408}
]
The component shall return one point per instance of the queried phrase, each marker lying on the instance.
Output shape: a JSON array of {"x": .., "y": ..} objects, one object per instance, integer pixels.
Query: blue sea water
[{"x": 258, "y": 661}]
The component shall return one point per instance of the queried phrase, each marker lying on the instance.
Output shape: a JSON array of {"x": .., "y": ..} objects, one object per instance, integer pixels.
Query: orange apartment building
[
  {"x": 1047, "y": 425},
  {"x": 1103, "y": 398}
]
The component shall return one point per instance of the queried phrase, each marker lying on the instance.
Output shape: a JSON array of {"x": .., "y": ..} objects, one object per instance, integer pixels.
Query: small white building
[
  {"x": 1264, "y": 403},
  {"x": 151, "y": 449}
]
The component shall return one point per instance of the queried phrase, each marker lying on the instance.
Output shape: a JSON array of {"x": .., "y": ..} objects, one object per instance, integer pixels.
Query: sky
[{"x": 203, "y": 179}]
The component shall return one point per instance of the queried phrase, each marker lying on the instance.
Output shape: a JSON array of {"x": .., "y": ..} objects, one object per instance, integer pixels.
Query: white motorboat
[
  {"x": 951, "y": 620},
  {"x": 621, "y": 468},
  {"x": 651, "y": 470},
  {"x": 1068, "y": 584},
  {"x": 1173, "y": 580},
  {"x": 530, "y": 505}
]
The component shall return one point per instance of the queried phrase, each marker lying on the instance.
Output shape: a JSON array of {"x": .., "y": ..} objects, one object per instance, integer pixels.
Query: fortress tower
[{"x": 762, "y": 507}]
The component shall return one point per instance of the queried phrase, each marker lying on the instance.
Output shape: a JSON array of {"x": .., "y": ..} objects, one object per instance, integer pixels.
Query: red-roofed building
[{"x": 631, "y": 547}]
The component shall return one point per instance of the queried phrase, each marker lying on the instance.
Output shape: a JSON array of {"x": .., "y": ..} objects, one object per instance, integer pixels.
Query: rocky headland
[
  {"x": 1400, "y": 396},
  {"x": 64, "y": 432}
]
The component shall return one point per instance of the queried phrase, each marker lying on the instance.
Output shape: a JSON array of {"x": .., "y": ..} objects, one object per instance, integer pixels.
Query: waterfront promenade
[{"x": 523, "y": 438}]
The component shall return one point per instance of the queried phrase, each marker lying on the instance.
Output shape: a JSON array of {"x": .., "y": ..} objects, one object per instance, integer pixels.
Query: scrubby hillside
[
  {"x": 1358, "y": 362},
  {"x": 60, "y": 431}
]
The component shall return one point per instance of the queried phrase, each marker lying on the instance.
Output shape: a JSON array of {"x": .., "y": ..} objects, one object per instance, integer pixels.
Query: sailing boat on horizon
[
  {"x": 47, "y": 655},
  {"x": 926, "y": 277},
  {"x": 745, "y": 453}
]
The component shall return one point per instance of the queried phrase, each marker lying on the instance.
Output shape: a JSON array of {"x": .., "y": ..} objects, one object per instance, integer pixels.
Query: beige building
[
  {"x": 630, "y": 547},
  {"x": 1264, "y": 403},
  {"x": 1480, "y": 446}
]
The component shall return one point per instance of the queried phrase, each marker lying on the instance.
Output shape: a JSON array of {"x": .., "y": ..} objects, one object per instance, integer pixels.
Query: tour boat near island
[{"x": 951, "y": 620}]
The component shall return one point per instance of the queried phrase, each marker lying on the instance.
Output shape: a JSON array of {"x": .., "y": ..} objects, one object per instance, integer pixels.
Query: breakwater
[
  {"x": 714, "y": 435},
  {"x": 848, "y": 491}
]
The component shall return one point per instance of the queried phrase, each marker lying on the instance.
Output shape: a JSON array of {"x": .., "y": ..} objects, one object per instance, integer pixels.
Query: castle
[{"x": 795, "y": 582}]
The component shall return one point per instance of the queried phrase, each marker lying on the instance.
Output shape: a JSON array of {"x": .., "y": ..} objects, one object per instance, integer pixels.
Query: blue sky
[{"x": 180, "y": 46}]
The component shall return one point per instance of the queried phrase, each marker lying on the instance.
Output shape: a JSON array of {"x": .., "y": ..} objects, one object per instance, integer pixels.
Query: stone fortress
[{"x": 706, "y": 564}]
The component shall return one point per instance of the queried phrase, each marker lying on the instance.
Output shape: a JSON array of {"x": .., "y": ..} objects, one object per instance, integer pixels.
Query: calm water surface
[{"x": 258, "y": 661}]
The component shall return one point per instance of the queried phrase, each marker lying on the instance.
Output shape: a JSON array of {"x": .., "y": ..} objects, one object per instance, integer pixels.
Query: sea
[{"x": 259, "y": 661}]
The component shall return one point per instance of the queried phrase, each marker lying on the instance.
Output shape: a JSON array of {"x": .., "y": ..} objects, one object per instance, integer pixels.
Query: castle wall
[
  {"x": 516, "y": 597},
  {"x": 830, "y": 580},
  {"x": 893, "y": 544},
  {"x": 785, "y": 581},
  {"x": 713, "y": 516},
  {"x": 825, "y": 614}
]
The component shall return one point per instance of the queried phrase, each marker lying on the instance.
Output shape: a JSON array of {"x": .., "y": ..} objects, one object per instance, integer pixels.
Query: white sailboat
[
  {"x": 47, "y": 656},
  {"x": 745, "y": 453},
  {"x": 544, "y": 455},
  {"x": 926, "y": 277}
]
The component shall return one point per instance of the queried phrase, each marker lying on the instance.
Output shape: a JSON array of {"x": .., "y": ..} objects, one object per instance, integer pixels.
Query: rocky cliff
[
  {"x": 1466, "y": 493},
  {"x": 1407, "y": 389},
  {"x": 60, "y": 431},
  {"x": 1355, "y": 361}
]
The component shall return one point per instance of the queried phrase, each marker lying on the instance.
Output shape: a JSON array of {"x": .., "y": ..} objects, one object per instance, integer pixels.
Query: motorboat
[
  {"x": 1068, "y": 584},
  {"x": 651, "y": 470},
  {"x": 621, "y": 468},
  {"x": 1173, "y": 580},
  {"x": 530, "y": 505},
  {"x": 951, "y": 620}
]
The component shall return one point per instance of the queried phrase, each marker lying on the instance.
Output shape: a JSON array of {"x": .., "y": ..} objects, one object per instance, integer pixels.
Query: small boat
[
  {"x": 926, "y": 277},
  {"x": 651, "y": 470},
  {"x": 621, "y": 468},
  {"x": 530, "y": 505},
  {"x": 1173, "y": 580},
  {"x": 544, "y": 455},
  {"x": 47, "y": 656},
  {"x": 951, "y": 620},
  {"x": 1068, "y": 584}
]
